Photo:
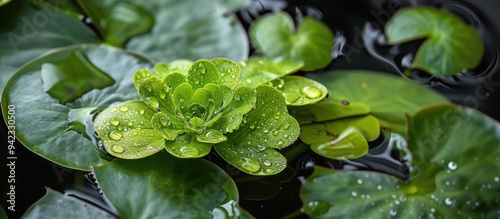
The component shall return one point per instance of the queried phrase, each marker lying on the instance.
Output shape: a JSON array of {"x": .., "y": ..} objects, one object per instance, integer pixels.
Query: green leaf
[
  {"x": 258, "y": 70},
  {"x": 70, "y": 78},
  {"x": 182, "y": 66},
  {"x": 54, "y": 205},
  {"x": 354, "y": 93},
  {"x": 350, "y": 144},
  {"x": 70, "y": 140},
  {"x": 451, "y": 45},
  {"x": 203, "y": 72},
  {"x": 118, "y": 22},
  {"x": 267, "y": 127},
  {"x": 3, "y": 2},
  {"x": 229, "y": 71},
  {"x": 455, "y": 153},
  {"x": 127, "y": 132},
  {"x": 188, "y": 146},
  {"x": 27, "y": 32},
  {"x": 154, "y": 93},
  {"x": 167, "y": 187},
  {"x": 299, "y": 90},
  {"x": 234, "y": 4},
  {"x": 274, "y": 36}
]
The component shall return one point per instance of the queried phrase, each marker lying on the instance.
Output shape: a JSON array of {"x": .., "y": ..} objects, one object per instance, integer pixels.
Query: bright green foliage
[
  {"x": 190, "y": 111},
  {"x": 275, "y": 36},
  {"x": 299, "y": 91},
  {"x": 455, "y": 157},
  {"x": 258, "y": 70},
  {"x": 450, "y": 47}
]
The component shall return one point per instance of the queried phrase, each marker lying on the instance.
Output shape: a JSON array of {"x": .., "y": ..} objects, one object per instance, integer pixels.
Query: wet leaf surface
[
  {"x": 56, "y": 205},
  {"x": 259, "y": 70},
  {"x": 171, "y": 187},
  {"x": 451, "y": 45},
  {"x": 274, "y": 35},
  {"x": 71, "y": 142},
  {"x": 455, "y": 154},
  {"x": 299, "y": 91}
]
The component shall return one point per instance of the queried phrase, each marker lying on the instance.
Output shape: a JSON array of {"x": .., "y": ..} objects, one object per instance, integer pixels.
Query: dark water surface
[{"x": 360, "y": 44}]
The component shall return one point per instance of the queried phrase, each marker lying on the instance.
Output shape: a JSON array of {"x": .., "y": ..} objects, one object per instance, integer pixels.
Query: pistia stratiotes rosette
[{"x": 189, "y": 107}]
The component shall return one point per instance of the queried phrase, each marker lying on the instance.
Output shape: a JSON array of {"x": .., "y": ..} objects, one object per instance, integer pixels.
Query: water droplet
[
  {"x": 452, "y": 165},
  {"x": 123, "y": 108},
  {"x": 433, "y": 210},
  {"x": 354, "y": 193},
  {"x": 275, "y": 133},
  {"x": 360, "y": 181},
  {"x": 248, "y": 80},
  {"x": 311, "y": 92},
  {"x": 364, "y": 85},
  {"x": 379, "y": 187},
  {"x": 153, "y": 102},
  {"x": 141, "y": 112},
  {"x": 497, "y": 179},
  {"x": 280, "y": 142},
  {"x": 393, "y": 212},
  {"x": 269, "y": 171},
  {"x": 162, "y": 94},
  {"x": 286, "y": 126},
  {"x": 345, "y": 102},
  {"x": 267, "y": 163},
  {"x": 261, "y": 147},
  {"x": 114, "y": 122},
  {"x": 448, "y": 201},
  {"x": 266, "y": 131},
  {"x": 250, "y": 165},
  {"x": 117, "y": 149},
  {"x": 189, "y": 151},
  {"x": 252, "y": 126},
  {"x": 115, "y": 135}
]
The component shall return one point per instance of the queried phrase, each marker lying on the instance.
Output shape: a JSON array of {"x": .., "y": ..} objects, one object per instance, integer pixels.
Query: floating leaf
[
  {"x": 70, "y": 78},
  {"x": 168, "y": 186},
  {"x": 455, "y": 154},
  {"x": 299, "y": 90},
  {"x": 72, "y": 142},
  {"x": 274, "y": 36},
  {"x": 28, "y": 32},
  {"x": 58, "y": 206},
  {"x": 258, "y": 70},
  {"x": 118, "y": 22},
  {"x": 350, "y": 144},
  {"x": 354, "y": 93},
  {"x": 234, "y": 4},
  {"x": 451, "y": 45},
  {"x": 268, "y": 127},
  {"x": 127, "y": 132}
]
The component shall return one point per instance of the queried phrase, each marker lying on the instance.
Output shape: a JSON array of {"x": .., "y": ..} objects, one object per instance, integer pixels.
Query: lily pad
[
  {"x": 267, "y": 127},
  {"x": 258, "y": 70},
  {"x": 28, "y": 32},
  {"x": 71, "y": 142},
  {"x": 354, "y": 93},
  {"x": 274, "y": 36},
  {"x": 451, "y": 45},
  {"x": 455, "y": 165},
  {"x": 55, "y": 205},
  {"x": 211, "y": 32},
  {"x": 299, "y": 90},
  {"x": 166, "y": 186}
]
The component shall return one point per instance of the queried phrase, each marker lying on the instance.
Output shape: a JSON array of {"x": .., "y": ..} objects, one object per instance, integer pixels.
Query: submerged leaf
[
  {"x": 454, "y": 159},
  {"x": 274, "y": 36},
  {"x": 451, "y": 45}
]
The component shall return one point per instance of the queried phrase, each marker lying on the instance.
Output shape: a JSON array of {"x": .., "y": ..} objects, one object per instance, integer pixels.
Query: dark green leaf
[
  {"x": 167, "y": 187},
  {"x": 299, "y": 90},
  {"x": 274, "y": 36},
  {"x": 354, "y": 93},
  {"x": 268, "y": 126},
  {"x": 72, "y": 77},
  {"x": 451, "y": 45},
  {"x": 65, "y": 142},
  {"x": 258, "y": 70},
  {"x": 54, "y": 205},
  {"x": 127, "y": 132},
  {"x": 27, "y": 32},
  {"x": 455, "y": 157}
]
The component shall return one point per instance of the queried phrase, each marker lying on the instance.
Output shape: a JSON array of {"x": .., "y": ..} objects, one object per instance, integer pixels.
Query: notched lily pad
[
  {"x": 72, "y": 77},
  {"x": 455, "y": 158},
  {"x": 259, "y": 70},
  {"x": 274, "y": 36},
  {"x": 451, "y": 45},
  {"x": 299, "y": 90},
  {"x": 267, "y": 127}
]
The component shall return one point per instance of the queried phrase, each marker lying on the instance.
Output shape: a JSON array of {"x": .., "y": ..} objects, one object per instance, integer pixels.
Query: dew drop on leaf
[
  {"x": 114, "y": 122},
  {"x": 448, "y": 201},
  {"x": 123, "y": 108},
  {"x": 452, "y": 165},
  {"x": 115, "y": 135},
  {"x": 189, "y": 151},
  {"x": 311, "y": 92},
  {"x": 162, "y": 94},
  {"x": 141, "y": 112},
  {"x": 153, "y": 102},
  {"x": 393, "y": 212},
  {"x": 291, "y": 97},
  {"x": 250, "y": 165},
  {"x": 117, "y": 149},
  {"x": 280, "y": 142},
  {"x": 267, "y": 163}
]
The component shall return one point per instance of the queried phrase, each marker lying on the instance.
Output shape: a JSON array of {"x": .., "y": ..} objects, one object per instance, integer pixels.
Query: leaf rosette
[{"x": 187, "y": 107}]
